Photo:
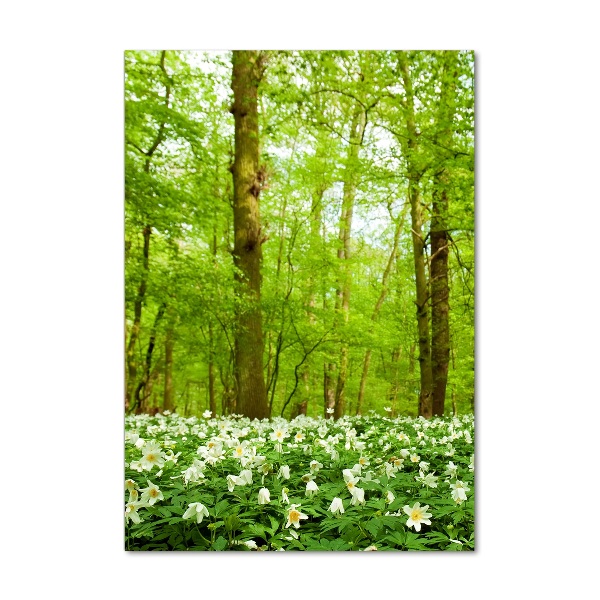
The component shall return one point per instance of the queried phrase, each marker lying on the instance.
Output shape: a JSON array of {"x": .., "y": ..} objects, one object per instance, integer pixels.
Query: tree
[
  {"x": 415, "y": 168},
  {"x": 321, "y": 158},
  {"x": 248, "y": 179},
  {"x": 440, "y": 291}
]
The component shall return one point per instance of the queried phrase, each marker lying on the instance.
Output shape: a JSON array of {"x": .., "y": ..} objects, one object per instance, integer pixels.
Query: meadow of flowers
[{"x": 360, "y": 483}]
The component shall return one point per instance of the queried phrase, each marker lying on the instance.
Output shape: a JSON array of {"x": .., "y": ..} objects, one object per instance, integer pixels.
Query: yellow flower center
[
  {"x": 294, "y": 516},
  {"x": 154, "y": 492},
  {"x": 150, "y": 457},
  {"x": 416, "y": 515},
  {"x": 350, "y": 485}
]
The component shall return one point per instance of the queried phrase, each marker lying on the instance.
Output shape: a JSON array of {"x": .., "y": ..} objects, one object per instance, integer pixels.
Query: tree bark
[
  {"x": 328, "y": 388},
  {"x": 247, "y": 181},
  {"x": 137, "y": 320},
  {"x": 416, "y": 213},
  {"x": 131, "y": 371},
  {"x": 212, "y": 400},
  {"x": 316, "y": 212},
  {"x": 143, "y": 389},
  {"x": 395, "y": 368},
  {"x": 359, "y": 123},
  {"x": 440, "y": 330},
  {"x": 168, "y": 400}
]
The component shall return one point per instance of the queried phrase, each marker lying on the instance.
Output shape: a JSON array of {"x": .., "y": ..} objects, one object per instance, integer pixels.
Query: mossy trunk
[
  {"x": 415, "y": 170},
  {"x": 247, "y": 252},
  {"x": 440, "y": 292}
]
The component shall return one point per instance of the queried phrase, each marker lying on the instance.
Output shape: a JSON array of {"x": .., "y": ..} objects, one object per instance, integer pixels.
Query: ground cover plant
[{"x": 357, "y": 483}]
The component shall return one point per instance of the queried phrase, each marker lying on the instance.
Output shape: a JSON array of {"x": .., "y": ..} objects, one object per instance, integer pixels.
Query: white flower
[
  {"x": 358, "y": 496},
  {"x": 427, "y": 480},
  {"x": 207, "y": 414},
  {"x": 336, "y": 506},
  {"x": 130, "y": 484},
  {"x": 264, "y": 496},
  {"x": 315, "y": 465},
  {"x": 390, "y": 469},
  {"x": 370, "y": 549},
  {"x": 284, "y": 495},
  {"x": 424, "y": 466},
  {"x": 294, "y": 516},
  {"x": 351, "y": 483},
  {"x": 417, "y": 515},
  {"x": 240, "y": 450},
  {"x": 131, "y": 509},
  {"x": 389, "y": 496},
  {"x": 350, "y": 475},
  {"x": 246, "y": 477},
  {"x": 329, "y": 411},
  {"x": 451, "y": 470},
  {"x": 387, "y": 409},
  {"x": 279, "y": 434},
  {"x": 251, "y": 544},
  {"x": 151, "y": 494},
  {"x": 196, "y": 509},
  {"x": 415, "y": 458},
  {"x": 152, "y": 456},
  {"x": 232, "y": 481},
  {"x": 311, "y": 489},
  {"x": 284, "y": 471},
  {"x": 459, "y": 491}
]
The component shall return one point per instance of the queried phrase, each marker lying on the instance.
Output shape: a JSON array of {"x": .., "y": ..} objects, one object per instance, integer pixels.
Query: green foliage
[
  {"x": 194, "y": 461},
  {"x": 178, "y": 149}
]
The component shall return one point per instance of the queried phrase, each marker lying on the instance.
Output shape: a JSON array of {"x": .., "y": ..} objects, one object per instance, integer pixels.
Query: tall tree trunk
[
  {"x": 395, "y": 371},
  {"x": 168, "y": 400},
  {"x": 212, "y": 399},
  {"x": 137, "y": 320},
  {"x": 440, "y": 331},
  {"x": 359, "y": 123},
  {"x": 310, "y": 303},
  {"x": 416, "y": 214},
  {"x": 328, "y": 388},
  {"x": 131, "y": 371},
  {"x": 143, "y": 389},
  {"x": 382, "y": 296},
  {"x": 247, "y": 180}
]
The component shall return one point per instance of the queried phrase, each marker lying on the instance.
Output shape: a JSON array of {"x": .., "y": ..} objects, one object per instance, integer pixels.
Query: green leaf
[{"x": 220, "y": 543}]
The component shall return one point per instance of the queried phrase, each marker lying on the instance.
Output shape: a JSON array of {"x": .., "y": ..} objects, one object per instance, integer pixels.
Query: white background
[{"x": 61, "y": 236}]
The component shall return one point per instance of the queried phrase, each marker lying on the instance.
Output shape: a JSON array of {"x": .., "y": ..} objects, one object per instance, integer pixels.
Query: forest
[{"x": 299, "y": 233}]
